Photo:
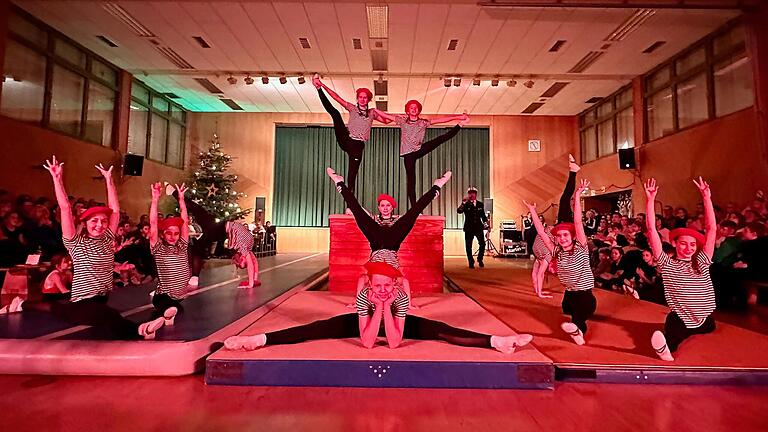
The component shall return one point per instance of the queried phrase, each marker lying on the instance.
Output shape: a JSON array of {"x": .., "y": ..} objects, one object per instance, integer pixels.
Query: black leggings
[
  {"x": 346, "y": 326},
  {"x": 676, "y": 332},
  {"x": 386, "y": 237},
  {"x": 94, "y": 312},
  {"x": 212, "y": 232},
  {"x": 352, "y": 147},
  {"x": 469, "y": 236},
  {"x": 564, "y": 210},
  {"x": 161, "y": 302},
  {"x": 580, "y": 305},
  {"x": 409, "y": 160}
]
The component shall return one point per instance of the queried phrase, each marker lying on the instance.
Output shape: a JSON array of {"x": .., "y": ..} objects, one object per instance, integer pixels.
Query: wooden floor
[
  {"x": 619, "y": 333},
  {"x": 186, "y": 404}
]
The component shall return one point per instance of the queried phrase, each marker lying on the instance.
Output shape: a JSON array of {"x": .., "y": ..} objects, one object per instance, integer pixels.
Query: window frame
[
  {"x": 589, "y": 118},
  {"x": 167, "y": 116}
]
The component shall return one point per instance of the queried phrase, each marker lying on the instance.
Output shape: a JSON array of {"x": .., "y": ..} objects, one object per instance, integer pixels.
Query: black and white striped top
[
  {"x": 573, "y": 268},
  {"x": 360, "y": 122},
  {"x": 240, "y": 238},
  {"x": 411, "y": 133},
  {"x": 540, "y": 250},
  {"x": 399, "y": 306},
  {"x": 690, "y": 295},
  {"x": 172, "y": 268},
  {"x": 93, "y": 261},
  {"x": 387, "y": 256}
]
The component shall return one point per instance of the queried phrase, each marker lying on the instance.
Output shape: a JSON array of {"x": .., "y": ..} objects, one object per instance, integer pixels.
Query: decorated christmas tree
[{"x": 213, "y": 188}]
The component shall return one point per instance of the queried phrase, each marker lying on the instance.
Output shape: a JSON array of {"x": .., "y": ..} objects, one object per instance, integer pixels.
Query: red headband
[
  {"x": 565, "y": 226},
  {"x": 412, "y": 102},
  {"x": 678, "y": 232},
  {"x": 385, "y": 197},
  {"x": 382, "y": 268},
  {"x": 366, "y": 91},
  {"x": 170, "y": 222},
  {"x": 92, "y": 211}
]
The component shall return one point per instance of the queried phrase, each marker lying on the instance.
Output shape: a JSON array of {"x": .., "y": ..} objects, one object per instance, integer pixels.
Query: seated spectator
[
  {"x": 668, "y": 216},
  {"x": 613, "y": 277},
  {"x": 663, "y": 231},
  {"x": 603, "y": 261},
  {"x": 58, "y": 283},
  {"x": 749, "y": 261},
  {"x": 681, "y": 218},
  {"x": 591, "y": 222},
  {"x": 726, "y": 230},
  {"x": 15, "y": 243},
  {"x": 45, "y": 235},
  {"x": 646, "y": 285}
]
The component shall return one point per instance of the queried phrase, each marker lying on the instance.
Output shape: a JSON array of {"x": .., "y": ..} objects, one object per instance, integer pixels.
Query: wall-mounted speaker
[
  {"x": 627, "y": 158},
  {"x": 488, "y": 204},
  {"x": 133, "y": 165},
  {"x": 261, "y": 204}
]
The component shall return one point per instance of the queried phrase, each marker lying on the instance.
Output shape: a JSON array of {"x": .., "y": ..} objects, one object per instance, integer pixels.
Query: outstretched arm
[
  {"x": 57, "y": 174},
  {"x": 446, "y": 119},
  {"x": 578, "y": 223},
  {"x": 112, "y": 200},
  {"x": 710, "y": 222},
  {"x": 157, "y": 189},
  {"x": 650, "y": 217},
  {"x": 539, "y": 227},
  {"x": 384, "y": 115},
  {"x": 183, "y": 210}
]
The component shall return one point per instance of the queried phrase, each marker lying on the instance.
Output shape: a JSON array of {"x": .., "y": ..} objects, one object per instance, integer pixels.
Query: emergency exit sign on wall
[{"x": 534, "y": 145}]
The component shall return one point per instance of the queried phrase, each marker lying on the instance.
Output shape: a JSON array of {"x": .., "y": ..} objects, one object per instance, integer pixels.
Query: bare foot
[
  {"x": 334, "y": 177},
  {"x": 572, "y": 165},
  {"x": 316, "y": 81},
  {"x": 441, "y": 181}
]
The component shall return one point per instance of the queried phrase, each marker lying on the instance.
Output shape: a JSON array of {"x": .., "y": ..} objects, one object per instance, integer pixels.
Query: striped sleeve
[
  {"x": 362, "y": 303},
  {"x": 242, "y": 239},
  {"x": 400, "y": 305}
]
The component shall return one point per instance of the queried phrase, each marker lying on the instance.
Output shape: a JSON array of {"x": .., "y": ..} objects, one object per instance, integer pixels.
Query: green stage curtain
[{"x": 304, "y": 195}]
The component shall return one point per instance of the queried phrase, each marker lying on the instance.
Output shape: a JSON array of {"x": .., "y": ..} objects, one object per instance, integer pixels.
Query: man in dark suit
[{"x": 474, "y": 222}]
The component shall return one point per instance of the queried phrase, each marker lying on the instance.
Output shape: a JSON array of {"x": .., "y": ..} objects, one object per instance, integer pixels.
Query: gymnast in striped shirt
[
  {"x": 241, "y": 240},
  {"x": 687, "y": 283},
  {"x": 168, "y": 242},
  {"x": 382, "y": 308},
  {"x": 93, "y": 258},
  {"x": 572, "y": 257}
]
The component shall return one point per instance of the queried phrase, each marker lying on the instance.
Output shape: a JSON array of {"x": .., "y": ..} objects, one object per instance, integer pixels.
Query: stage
[
  {"x": 618, "y": 345},
  {"x": 36, "y": 342}
]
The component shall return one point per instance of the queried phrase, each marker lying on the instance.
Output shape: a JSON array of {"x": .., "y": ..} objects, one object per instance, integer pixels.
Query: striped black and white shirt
[
  {"x": 93, "y": 261},
  {"x": 240, "y": 238},
  {"x": 689, "y": 294},
  {"x": 386, "y": 256},
  {"x": 399, "y": 307},
  {"x": 360, "y": 122},
  {"x": 172, "y": 268},
  {"x": 540, "y": 250},
  {"x": 412, "y": 133},
  {"x": 573, "y": 267}
]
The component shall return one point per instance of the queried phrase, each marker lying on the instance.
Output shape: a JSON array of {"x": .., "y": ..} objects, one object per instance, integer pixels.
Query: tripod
[{"x": 490, "y": 248}]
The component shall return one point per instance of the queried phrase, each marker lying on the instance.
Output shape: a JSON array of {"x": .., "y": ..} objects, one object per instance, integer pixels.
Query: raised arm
[
  {"x": 459, "y": 117},
  {"x": 67, "y": 219},
  {"x": 157, "y": 189},
  {"x": 183, "y": 210},
  {"x": 578, "y": 222},
  {"x": 539, "y": 227},
  {"x": 460, "y": 210},
  {"x": 319, "y": 84},
  {"x": 650, "y": 217},
  {"x": 710, "y": 222},
  {"x": 112, "y": 200}
]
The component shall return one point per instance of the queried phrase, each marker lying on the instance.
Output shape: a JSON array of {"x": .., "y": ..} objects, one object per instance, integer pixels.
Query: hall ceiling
[{"x": 265, "y": 38}]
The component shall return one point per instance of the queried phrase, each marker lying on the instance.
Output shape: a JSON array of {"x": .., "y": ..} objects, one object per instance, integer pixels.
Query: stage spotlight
[
  {"x": 232, "y": 80},
  {"x": 301, "y": 79},
  {"x": 511, "y": 83},
  {"x": 495, "y": 82},
  {"x": 447, "y": 82},
  {"x": 528, "y": 84},
  {"x": 457, "y": 82},
  {"x": 265, "y": 80},
  {"x": 283, "y": 79},
  {"x": 476, "y": 81},
  {"x": 248, "y": 80}
]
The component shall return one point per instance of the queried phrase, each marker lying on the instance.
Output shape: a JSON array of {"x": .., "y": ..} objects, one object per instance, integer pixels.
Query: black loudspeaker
[
  {"x": 261, "y": 203},
  {"x": 627, "y": 158},
  {"x": 133, "y": 165},
  {"x": 488, "y": 204}
]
